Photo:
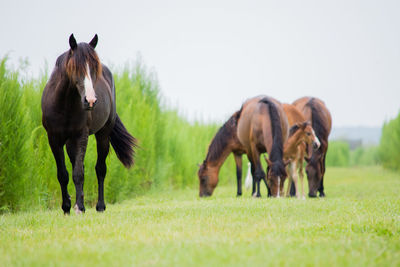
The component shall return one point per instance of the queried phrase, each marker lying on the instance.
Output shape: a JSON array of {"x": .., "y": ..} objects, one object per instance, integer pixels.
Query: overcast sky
[{"x": 211, "y": 55}]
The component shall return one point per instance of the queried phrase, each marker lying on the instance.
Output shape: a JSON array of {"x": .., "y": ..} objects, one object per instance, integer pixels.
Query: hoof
[
  {"x": 321, "y": 194},
  {"x": 66, "y": 207},
  {"x": 100, "y": 207},
  {"x": 77, "y": 210}
]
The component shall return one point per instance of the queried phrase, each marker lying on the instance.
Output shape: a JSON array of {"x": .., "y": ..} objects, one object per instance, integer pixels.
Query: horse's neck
[
  {"x": 217, "y": 163},
  {"x": 290, "y": 147},
  {"x": 64, "y": 92}
]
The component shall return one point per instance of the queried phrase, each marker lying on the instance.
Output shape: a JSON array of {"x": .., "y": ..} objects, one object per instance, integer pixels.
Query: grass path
[{"x": 358, "y": 224}]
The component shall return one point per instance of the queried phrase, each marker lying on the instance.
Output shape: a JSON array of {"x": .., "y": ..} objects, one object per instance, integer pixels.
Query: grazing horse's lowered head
[
  {"x": 224, "y": 142},
  {"x": 208, "y": 178},
  {"x": 83, "y": 67}
]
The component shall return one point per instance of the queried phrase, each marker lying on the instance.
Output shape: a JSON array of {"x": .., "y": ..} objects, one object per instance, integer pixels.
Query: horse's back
[
  {"x": 255, "y": 122},
  {"x": 293, "y": 114}
]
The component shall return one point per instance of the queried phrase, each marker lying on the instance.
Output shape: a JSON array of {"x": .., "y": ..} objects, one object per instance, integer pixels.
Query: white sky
[{"x": 211, "y": 55}]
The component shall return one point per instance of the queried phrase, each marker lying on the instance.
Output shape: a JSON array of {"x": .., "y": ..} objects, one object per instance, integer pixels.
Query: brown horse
[
  {"x": 315, "y": 111},
  {"x": 224, "y": 143},
  {"x": 79, "y": 100},
  {"x": 301, "y": 134},
  {"x": 263, "y": 127}
]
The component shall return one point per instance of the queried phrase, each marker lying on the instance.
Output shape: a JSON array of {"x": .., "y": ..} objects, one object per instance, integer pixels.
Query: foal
[{"x": 301, "y": 135}]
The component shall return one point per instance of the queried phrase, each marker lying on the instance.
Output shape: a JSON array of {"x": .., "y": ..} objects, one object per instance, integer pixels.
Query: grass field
[{"x": 358, "y": 224}]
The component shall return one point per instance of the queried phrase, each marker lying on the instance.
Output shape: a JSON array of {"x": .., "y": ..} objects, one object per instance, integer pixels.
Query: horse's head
[
  {"x": 83, "y": 68},
  {"x": 314, "y": 173},
  {"x": 276, "y": 175},
  {"x": 307, "y": 134},
  {"x": 208, "y": 178}
]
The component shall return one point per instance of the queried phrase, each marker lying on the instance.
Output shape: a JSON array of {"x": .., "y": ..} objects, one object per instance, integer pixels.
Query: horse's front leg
[
  {"x": 103, "y": 145},
  {"x": 259, "y": 175},
  {"x": 238, "y": 161},
  {"x": 78, "y": 148},
  {"x": 56, "y": 146}
]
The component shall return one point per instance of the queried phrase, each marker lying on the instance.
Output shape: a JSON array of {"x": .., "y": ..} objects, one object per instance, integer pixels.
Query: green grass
[{"x": 358, "y": 224}]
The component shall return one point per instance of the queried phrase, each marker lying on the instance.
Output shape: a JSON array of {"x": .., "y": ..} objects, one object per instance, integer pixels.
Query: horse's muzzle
[
  {"x": 205, "y": 194},
  {"x": 86, "y": 104},
  {"x": 315, "y": 145}
]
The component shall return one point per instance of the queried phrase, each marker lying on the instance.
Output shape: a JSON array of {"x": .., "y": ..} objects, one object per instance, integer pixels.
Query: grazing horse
[
  {"x": 315, "y": 111},
  {"x": 79, "y": 100},
  {"x": 301, "y": 134},
  {"x": 263, "y": 127},
  {"x": 224, "y": 143}
]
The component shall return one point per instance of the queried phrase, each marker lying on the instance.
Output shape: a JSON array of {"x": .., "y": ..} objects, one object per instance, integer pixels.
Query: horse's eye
[{"x": 308, "y": 134}]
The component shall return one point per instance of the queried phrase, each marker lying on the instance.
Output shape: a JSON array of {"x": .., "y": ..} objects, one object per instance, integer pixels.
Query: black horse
[{"x": 79, "y": 100}]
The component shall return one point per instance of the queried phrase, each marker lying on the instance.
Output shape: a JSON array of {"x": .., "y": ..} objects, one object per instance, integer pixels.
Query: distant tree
[{"x": 389, "y": 148}]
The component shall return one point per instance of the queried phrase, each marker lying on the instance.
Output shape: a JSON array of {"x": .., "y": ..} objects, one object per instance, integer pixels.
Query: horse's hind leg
[
  {"x": 238, "y": 161},
  {"x": 252, "y": 169},
  {"x": 57, "y": 148},
  {"x": 103, "y": 145},
  {"x": 321, "y": 188},
  {"x": 259, "y": 175}
]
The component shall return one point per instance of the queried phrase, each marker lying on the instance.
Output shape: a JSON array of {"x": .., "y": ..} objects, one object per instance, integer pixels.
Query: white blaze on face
[
  {"x": 279, "y": 186},
  {"x": 316, "y": 140},
  {"x": 89, "y": 90}
]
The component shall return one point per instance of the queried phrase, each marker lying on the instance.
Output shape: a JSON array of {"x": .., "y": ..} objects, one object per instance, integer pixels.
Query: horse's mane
[
  {"x": 317, "y": 121},
  {"x": 276, "y": 154},
  {"x": 223, "y": 136},
  {"x": 73, "y": 62}
]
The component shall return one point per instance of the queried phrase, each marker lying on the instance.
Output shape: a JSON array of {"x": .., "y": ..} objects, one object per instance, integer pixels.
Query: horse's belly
[{"x": 97, "y": 120}]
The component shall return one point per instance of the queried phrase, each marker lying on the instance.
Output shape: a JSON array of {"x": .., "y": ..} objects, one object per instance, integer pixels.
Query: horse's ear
[
  {"x": 72, "y": 42},
  {"x": 93, "y": 43}
]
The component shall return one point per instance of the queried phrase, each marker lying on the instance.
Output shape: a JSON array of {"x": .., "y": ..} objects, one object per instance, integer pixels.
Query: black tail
[
  {"x": 123, "y": 143},
  {"x": 316, "y": 120},
  {"x": 276, "y": 155},
  {"x": 277, "y": 145}
]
